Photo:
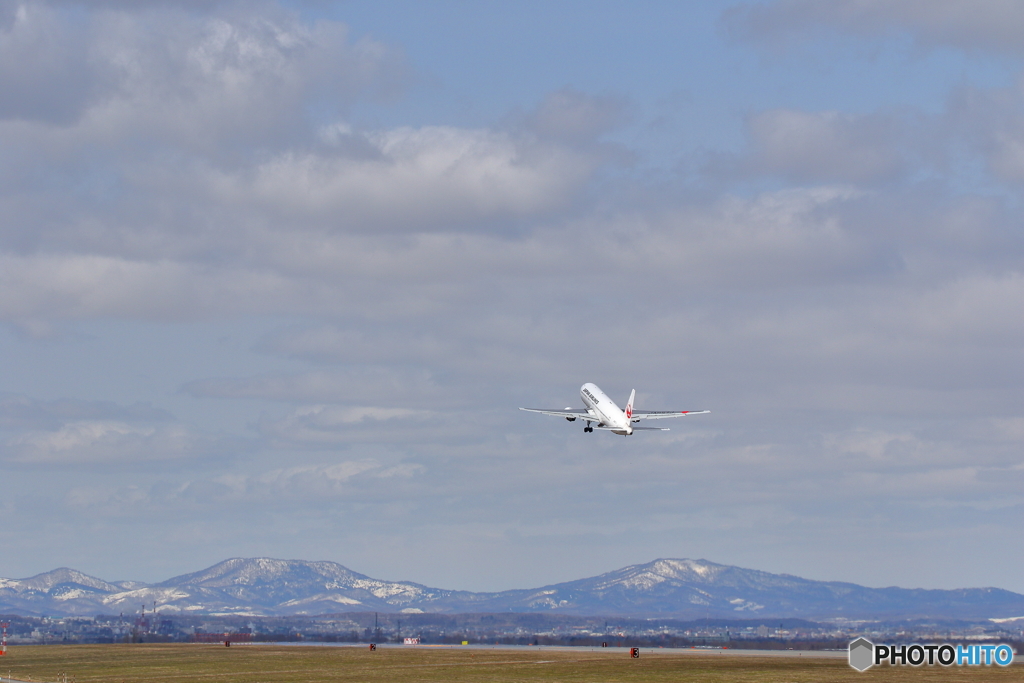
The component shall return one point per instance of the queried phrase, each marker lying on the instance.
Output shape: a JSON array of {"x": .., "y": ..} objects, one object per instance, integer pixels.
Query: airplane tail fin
[{"x": 629, "y": 405}]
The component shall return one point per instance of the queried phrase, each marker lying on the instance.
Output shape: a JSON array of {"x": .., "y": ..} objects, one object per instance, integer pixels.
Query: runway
[{"x": 644, "y": 651}]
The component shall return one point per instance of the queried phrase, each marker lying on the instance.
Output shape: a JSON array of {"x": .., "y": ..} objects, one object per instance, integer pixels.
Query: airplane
[{"x": 609, "y": 416}]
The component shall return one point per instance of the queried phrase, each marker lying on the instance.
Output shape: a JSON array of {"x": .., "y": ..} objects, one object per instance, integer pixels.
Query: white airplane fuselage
[{"x": 606, "y": 413}]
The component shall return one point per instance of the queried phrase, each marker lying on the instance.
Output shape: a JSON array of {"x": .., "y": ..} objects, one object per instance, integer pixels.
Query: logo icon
[{"x": 862, "y": 654}]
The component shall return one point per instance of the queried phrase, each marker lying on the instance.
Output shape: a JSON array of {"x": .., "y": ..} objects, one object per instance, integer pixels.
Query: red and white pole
[{"x": 3, "y": 642}]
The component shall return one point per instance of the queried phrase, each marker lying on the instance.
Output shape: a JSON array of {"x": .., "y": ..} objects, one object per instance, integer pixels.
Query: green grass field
[{"x": 310, "y": 664}]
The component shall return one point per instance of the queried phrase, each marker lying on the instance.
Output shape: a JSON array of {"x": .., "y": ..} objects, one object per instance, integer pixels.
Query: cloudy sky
[{"x": 275, "y": 278}]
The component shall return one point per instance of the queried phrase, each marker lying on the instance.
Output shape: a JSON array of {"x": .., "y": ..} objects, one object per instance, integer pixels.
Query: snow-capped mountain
[
  {"x": 666, "y": 587},
  {"x": 266, "y": 586},
  {"x": 259, "y": 586},
  {"x": 696, "y": 588},
  {"x": 58, "y": 587}
]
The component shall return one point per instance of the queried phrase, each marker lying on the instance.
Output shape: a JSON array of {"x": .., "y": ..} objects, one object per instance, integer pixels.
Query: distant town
[{"x": 503, "y": 629}]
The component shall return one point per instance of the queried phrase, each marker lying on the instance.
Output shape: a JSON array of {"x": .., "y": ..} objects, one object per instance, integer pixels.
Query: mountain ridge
[{"x": 684, "y": 588}]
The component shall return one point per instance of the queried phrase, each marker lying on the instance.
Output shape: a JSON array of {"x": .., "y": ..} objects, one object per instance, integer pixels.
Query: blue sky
[{"x": 275, "y": 277}]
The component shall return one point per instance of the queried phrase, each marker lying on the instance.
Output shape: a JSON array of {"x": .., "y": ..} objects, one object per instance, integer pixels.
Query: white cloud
[
  {"x": 187, "y": 77},
  {"x": 349, "y": 385},
  {"x": 85, "y": 442},
  {"x": 874, "y": 445},
  {"x": 267, "y": 489},
  {"x": 977, "y": 309},
  {"x": 1008, "y": 429},
  {"x": 69, "y": 432},
  {"x": 419, "y": 179},
  {"x": 575, "y": 116},
  {"x": 328, "y": 476},
  {"x": 46, "y": 66},
  {"x": 23, "y": 411},
  {"x": 988, "y": 25},
  {"x": 775, "y": 237},
  {"x": 827, "y": 146},
  {"x": 990, "y": 122},
  {"x": 71, "y": 286},
  {"x": 324, "y": 424},
  {"x": 175, "y": 221}
]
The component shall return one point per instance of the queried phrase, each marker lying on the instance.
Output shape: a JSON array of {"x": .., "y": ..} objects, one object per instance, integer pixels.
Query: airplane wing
[
  {"x": 565, "y": 412},
  {"x": 660, "y": 414}
]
